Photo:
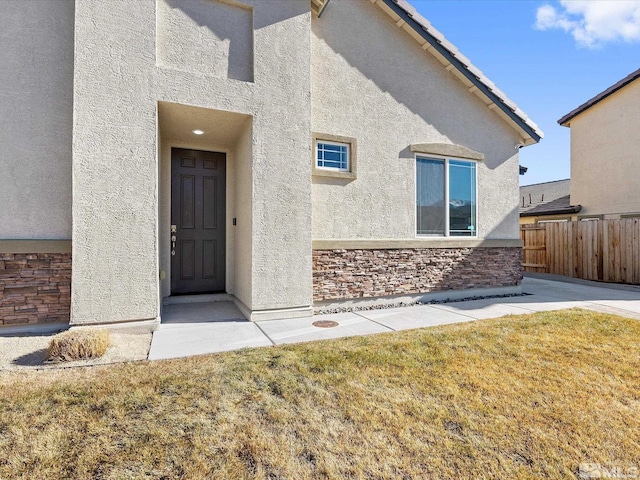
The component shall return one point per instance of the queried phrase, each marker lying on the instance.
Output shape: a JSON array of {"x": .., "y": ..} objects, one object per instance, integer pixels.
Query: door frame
[
  {"x": 201, "y": 165},
  {"x": 164, "y": 220}
]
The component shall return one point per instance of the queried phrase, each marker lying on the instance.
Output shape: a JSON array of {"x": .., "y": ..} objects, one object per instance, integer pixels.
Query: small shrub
[{"x": 79, "y": 344}]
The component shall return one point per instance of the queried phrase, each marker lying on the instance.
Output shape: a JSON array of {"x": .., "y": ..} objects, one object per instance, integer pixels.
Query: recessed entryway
[
  {"x": 204, "y": 189},
  {"x": 201, "y": 313}
]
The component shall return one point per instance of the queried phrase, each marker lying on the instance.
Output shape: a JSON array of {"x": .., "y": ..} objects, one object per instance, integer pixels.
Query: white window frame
[
  {"x": 348, "y": 175},
  {"x": 447, "y": 233},
  {"x": 557, "y": 220},
  {"x": 336, "y": 144}
]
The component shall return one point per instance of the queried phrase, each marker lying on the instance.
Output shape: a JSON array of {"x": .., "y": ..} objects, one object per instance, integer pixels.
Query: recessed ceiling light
[{"x": 198, "y": 132}]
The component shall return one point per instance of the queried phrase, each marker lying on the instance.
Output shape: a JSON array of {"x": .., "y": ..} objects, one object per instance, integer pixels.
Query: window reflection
[{"x": 433, "y": 208}]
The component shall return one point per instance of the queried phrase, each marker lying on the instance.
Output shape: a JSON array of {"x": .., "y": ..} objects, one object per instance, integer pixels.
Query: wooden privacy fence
[{"x": 605, "y": 250}]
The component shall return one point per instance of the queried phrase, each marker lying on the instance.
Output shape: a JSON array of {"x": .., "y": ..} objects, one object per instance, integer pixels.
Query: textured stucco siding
[
  {"x": 212, "y": 38},
  {"x": 347, "y": 274},
  {"x": 242, "y": 231},
  {"x": 281, "y": 191},
  {"x": 36, "y": 101},
  {"x": 372, "y": 81},
  {"x": 120, "y": 156},
  {"x": 605, "y": 155},
  {"x": 94, "y": 126},
  {"x": 115, "y": 181}
]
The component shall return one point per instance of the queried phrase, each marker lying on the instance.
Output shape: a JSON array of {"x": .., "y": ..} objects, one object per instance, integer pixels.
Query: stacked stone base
[
  {"x": 35, "y": 288},
  {"x": 348, "y": 274}
]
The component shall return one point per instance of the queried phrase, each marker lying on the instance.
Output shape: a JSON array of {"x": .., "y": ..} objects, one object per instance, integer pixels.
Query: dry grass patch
[
  {"x": 517, "y": 397},
  {"x": 79, "y": 344}
]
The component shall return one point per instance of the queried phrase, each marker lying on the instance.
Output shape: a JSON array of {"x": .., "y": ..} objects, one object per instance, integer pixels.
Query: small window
[
  {"x": 446, "y": 197},
  {"x": 332, "y": 156},
  {"x": 559, "y": 220}
]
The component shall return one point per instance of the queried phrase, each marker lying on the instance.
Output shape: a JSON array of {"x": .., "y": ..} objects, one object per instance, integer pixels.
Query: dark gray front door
[{"x": 198, "y": 213}]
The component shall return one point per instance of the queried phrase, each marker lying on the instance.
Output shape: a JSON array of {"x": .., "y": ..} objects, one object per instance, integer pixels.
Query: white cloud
[{"x": 593, "y": 23}]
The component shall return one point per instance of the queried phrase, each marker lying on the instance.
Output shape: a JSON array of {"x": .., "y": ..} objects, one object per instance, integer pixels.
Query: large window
[{"x": 446, "y": 197}]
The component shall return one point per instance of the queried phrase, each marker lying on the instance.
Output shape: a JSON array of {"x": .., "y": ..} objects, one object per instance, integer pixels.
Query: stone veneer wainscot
[
  {"x": 360, "y": 273},
  {"x": 35, "y": 287}
]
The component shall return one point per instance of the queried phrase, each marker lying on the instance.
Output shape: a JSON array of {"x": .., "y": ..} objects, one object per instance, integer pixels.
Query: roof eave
[
  {"x": 530, "y": 136},
  {"x": 559, "y": 211},
  {"x": 566, "y": 120},
  {"x": 318, "y": 6}
]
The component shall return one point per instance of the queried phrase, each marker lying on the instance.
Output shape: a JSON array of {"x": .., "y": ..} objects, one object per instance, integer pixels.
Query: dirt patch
[{"x": 28, "y": 351}]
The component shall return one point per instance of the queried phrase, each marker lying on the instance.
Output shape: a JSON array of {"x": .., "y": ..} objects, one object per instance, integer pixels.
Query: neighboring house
[
  {"x": 605, "y": 152},
  {"x": 546, "y": 202},
  {"x": 159, "y": 147}
]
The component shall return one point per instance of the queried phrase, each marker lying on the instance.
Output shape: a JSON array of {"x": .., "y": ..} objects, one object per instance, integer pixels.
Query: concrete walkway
[{"x": 200, "y": 328}]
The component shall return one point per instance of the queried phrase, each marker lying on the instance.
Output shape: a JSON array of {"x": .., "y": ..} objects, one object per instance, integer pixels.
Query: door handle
[{"x": 173, "y": 240}]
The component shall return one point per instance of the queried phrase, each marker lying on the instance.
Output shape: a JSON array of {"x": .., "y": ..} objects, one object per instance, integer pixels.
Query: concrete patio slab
[
  {"x": 301, "y": 329},
  {"x": 482, "y": 309},
  {"x": 419, "y": 316},
  {"x": 184, "y": 340},
  {"x": 200, "y": 312},
  {"x": 627, "y": 305},
  {"x": 606, "y": 308},
  {"x": 588, "y": 295},
  {"x": 575, "y": 292},
  {"x": 578, "y": 281},
  {"x": 540, "y": 305},
  {"x": 200, "y": 328}
]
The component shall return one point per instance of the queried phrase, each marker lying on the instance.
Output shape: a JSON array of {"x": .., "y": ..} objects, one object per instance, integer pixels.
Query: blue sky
[{"x": 587, "y": 47}]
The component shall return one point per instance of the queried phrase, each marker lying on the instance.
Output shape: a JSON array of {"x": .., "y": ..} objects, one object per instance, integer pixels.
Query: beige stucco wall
[
  {"x": 369, "y": 81},
  {"x": 115, "y": 182},
  {"x": 242, "y": 231},
  {"x": 36, "y": 101},
  {"x": 117, "y": 186},
  {"x": 372, "y": 81},
  {"x": 223, "y": 33},
  {"x": 605, "y": 155},
  {"x": 281, "y": 254},
  {"x": 229, "y": 133}
]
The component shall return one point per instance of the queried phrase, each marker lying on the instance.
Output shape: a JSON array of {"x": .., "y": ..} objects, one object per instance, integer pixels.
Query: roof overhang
[
  {"x": 566, "y": 120},
  {"x": 318, "y": 6},
  {"x": 558, "y": 211},
  {"x": 432, "y": 41}
]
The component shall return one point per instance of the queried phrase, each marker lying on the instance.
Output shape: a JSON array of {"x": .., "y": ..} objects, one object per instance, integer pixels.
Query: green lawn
[{"x": 518, "y": 397}]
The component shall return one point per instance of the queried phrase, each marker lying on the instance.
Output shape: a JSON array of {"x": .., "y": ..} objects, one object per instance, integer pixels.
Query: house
[
  {"x": 546, "y": 202},
  {"x": 605, "y": 152},
  {"x": 287, "y": 154}
]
